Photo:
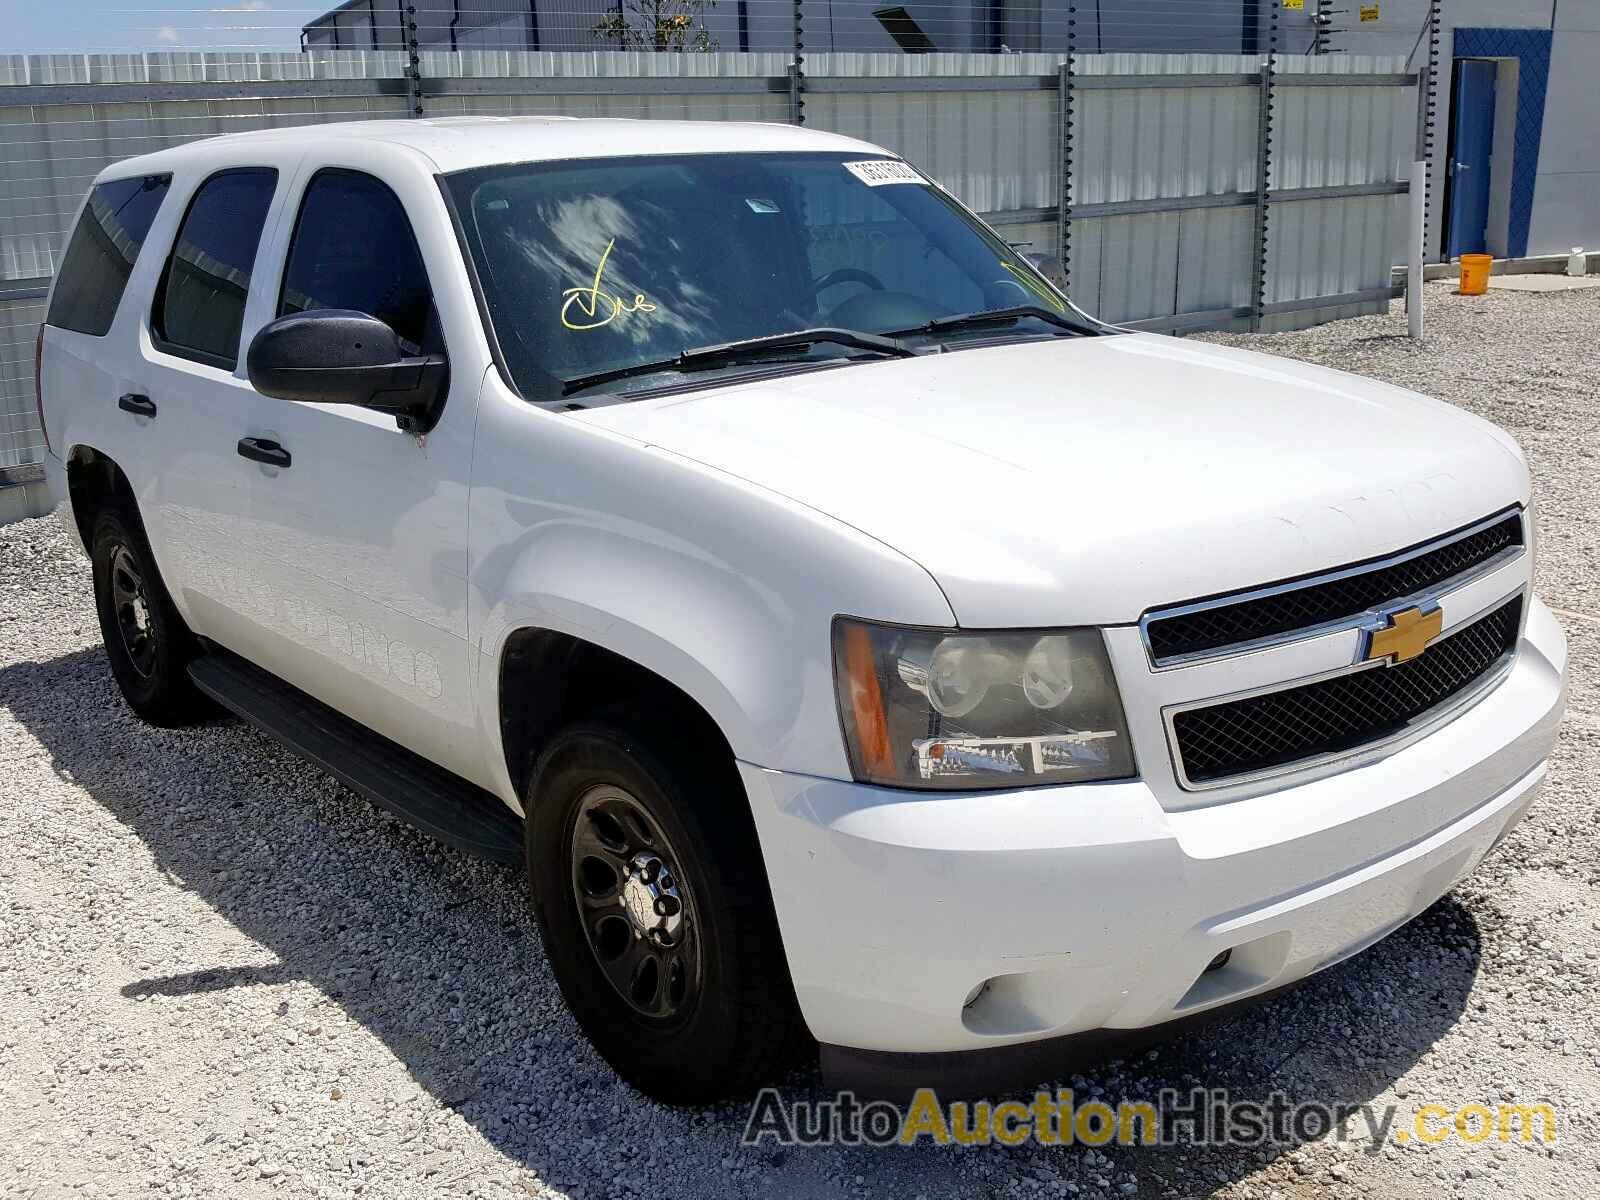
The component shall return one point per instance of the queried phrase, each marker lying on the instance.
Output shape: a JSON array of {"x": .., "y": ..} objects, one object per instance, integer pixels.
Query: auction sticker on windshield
[{"x": 875, "y": 172}]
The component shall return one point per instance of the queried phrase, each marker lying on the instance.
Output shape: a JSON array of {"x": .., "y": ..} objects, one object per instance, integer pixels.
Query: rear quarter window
[{"x": 102, "y": 252}]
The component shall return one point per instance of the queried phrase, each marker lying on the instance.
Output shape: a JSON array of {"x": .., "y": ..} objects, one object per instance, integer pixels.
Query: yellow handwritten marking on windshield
[
  {"x": 1033, "y": 285},
  {"x": 590, "y": 299}
]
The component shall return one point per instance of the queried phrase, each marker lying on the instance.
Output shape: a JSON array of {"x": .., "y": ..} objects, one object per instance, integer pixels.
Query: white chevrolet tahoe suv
[{"x": 857, "y": 642}]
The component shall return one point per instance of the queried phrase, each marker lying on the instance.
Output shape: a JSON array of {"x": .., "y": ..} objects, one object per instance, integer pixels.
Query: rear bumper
[{"x": 947, "y": 924}]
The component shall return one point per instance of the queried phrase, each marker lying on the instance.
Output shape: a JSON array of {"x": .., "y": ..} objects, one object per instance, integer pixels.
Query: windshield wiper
[
  {"x": 755, "y": 348},
  {"x": 998, "y": 316}
]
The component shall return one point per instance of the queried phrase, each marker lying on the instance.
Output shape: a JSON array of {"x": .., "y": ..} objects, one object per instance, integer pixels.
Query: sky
[{"x": 123, "y": 26}]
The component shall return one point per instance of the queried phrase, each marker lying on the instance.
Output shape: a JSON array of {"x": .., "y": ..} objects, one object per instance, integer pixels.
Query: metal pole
[
  {"x": 1421, "y": 171},
  {"x": 1258, "y": 291},
  {"x": 1416, "y": 233},
  {"x": 1427, "y": 109},
  {"x": 1064, "y": 179},
  {"x": 797, "y": 115},
  {"x": 408, "y": 31},
  {"x": 797, "y": 68},
  {"x": 1258, "y": 303}
]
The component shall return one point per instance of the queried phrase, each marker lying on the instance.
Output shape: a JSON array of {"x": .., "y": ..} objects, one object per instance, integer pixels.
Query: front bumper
[{"x": 923, "y": 923}]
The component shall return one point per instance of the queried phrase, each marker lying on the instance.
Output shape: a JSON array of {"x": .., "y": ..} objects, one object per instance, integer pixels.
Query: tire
[
  {"x": 146, "y": 640},
  {"x": 720, "y": 1019}
]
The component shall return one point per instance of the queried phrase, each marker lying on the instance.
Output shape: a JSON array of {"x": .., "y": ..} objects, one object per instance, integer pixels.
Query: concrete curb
[{"x": 1543, "y": 264}]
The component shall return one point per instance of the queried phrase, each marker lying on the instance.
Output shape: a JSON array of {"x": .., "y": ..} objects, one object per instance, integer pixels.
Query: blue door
[{"x": 1471, "y": 144}]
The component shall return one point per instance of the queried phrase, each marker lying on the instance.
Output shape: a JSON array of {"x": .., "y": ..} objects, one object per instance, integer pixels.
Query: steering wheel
[
  {"x": 846, "y": 275},
  {"x": 1001, "y": 287}
]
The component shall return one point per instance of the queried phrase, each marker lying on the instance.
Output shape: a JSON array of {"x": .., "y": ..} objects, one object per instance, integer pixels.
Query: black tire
[
  {"x": 734, "y": 1024},
  {"x": 146, "y": 640}
]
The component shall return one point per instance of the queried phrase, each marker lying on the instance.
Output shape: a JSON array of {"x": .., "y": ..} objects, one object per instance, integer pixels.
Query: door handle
[
  {"x": 139, "y": 406},
  {"x": 264, "y": 450}
]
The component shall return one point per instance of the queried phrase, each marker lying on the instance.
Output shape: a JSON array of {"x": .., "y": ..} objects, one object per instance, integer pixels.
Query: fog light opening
[{"x": 1217, "y": 963}]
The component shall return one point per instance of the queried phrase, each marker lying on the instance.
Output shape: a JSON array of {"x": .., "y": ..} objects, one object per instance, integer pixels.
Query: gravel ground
[{"x": 226, "y": 975}]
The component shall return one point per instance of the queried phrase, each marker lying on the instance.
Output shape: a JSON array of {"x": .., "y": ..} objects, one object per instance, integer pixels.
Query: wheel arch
[
  {"x": 94, "y": 479},
  {"x": 548, "y": 679}
]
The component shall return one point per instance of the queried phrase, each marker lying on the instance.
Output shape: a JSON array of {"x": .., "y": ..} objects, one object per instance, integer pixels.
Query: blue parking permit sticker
[
  {"x": 876, "y": 172},
  {"x": 760, "y": 204}
]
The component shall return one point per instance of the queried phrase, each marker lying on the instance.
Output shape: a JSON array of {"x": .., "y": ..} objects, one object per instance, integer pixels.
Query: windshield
[{"x": 595, "y": 266}]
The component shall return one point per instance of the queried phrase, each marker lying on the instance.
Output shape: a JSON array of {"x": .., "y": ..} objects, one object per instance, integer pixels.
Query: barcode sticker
[{"x": 875, "y": 172}]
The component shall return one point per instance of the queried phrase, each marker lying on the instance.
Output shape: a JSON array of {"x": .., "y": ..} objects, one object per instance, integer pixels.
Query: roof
[{"x": 458, "y": 143}]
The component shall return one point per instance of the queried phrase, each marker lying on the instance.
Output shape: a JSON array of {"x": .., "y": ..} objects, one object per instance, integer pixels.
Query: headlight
[{"x": 925, "y": 708}]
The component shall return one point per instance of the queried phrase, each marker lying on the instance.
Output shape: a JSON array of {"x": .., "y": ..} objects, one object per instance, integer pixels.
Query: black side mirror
[{"x": 337, "y": 356}]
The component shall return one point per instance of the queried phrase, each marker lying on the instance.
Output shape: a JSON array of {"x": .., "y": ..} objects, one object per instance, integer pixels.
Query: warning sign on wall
[
  {"x": 1298, "y": 4},
  {"x": 1369, "y": 12}
]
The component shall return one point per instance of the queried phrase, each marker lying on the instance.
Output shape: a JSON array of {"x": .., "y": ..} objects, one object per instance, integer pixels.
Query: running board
[{"x": 419, "y": 792}]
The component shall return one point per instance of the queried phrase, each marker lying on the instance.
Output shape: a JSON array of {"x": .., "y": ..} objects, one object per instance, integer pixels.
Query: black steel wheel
[
  {"x": 146, "y": 641},
  {"x": 647, "y": 880},
  {"x": 638, "y": 909},
  {"x": 130, "y": 601}
]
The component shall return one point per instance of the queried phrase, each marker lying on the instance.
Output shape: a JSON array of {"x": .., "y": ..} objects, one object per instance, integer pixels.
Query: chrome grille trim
[
  {"x": 1332, "y": 763},
  {"x": 1354, "y": 620}
]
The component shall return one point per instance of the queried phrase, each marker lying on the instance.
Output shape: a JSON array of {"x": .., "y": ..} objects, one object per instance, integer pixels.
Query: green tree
[{"x": 656, "y": 25}]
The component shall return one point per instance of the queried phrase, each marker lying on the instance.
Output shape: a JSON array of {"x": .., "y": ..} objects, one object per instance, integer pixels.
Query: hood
[{"x": 1082, "y": 481}]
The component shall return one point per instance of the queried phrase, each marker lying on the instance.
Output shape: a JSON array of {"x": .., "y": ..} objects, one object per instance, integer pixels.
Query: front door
[
  {"x": 1471, "y": 147},
  {"x": 362, "y": 532}
]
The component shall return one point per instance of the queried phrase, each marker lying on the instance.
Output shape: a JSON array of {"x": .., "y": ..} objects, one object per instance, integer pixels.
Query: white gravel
[{"x": 223, "y": 974}]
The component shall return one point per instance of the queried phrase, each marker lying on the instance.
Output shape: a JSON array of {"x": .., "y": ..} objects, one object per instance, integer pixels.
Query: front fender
[{"x": 724, "y": 589}]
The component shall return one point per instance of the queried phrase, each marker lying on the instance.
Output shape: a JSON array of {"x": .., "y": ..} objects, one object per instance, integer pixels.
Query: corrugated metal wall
[
  {"x": 997, "y": 150},
  {"x": 996, "y": 144},
  {"x": 1329, "y": 137},
  {"x": 1163, "y": 143}
]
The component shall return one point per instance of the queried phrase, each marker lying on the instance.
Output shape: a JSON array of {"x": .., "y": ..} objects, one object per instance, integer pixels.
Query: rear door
[{"x": 190, "y": 366}]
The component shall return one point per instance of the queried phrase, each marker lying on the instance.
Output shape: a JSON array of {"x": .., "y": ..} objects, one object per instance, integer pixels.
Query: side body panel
[
  {"x": 80, "y": 380},
  {"x": 717, "y": 585}
]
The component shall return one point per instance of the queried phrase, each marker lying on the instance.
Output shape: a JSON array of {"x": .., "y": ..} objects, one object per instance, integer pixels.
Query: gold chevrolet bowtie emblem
[{"x": 1408, "y": 635}]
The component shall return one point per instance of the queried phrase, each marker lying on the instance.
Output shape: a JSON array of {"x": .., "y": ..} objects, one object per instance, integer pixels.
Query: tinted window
[
  {"x": 200, "y": 305},
  {"x": 101, "y": 255},
  {"x": 353, "y": 248}
]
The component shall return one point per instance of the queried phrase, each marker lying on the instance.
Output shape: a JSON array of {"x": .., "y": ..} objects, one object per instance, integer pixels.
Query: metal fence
[{"x": 1169, "y": 191}]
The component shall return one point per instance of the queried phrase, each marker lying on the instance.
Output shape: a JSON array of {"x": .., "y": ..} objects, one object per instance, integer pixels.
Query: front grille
[
  {"x": 1319, "y": 602},
  {"x": 1344, "y": 713}
]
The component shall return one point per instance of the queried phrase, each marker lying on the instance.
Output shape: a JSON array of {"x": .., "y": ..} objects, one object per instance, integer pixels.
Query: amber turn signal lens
[{"x": 866, "y": 703}]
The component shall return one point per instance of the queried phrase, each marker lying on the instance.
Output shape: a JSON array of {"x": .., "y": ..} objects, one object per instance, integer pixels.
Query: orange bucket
[{"x": 1475, "y": 274}]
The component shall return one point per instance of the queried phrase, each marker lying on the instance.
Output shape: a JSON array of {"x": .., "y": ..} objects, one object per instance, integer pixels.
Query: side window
[
  {"x": 102, "y": 252},
  {"x": 353, "y": 248},
  {"x": 199, "y": 307}
]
